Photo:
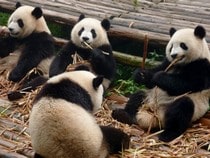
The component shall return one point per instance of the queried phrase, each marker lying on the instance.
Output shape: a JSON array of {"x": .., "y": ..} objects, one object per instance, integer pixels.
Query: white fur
[
  {"x": 88, "y": 24},
  {"x": 197, "y": 48},
  {"x": 60, "y": 129},
  {"x": 44, "y": 66},
  {"x": 31, "y": 24},
  {"x": 84, "y": 79},
  {"x": 154, "y": 106}
]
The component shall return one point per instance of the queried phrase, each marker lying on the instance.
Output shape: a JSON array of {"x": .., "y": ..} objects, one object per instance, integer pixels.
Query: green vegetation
[{"x": 3, "y": 19}]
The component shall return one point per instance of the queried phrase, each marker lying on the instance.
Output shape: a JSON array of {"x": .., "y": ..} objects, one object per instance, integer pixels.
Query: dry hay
[{"x": 15, "y": 139}]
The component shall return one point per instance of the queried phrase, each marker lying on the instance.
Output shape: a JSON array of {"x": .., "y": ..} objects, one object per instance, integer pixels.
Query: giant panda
[
  {"x": 178, "y": 94},
  {"x": 61, "y": 123},
  {"x": 100, "y": 56},
  {"x": 29, "y": 43}
]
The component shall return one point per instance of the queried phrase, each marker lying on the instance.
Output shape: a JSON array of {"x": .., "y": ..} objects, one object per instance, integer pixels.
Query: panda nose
[
  {"x": 11, "y": 29},
  {"x": 85, "y": 38},
  {"x": 174, "y": 56}
]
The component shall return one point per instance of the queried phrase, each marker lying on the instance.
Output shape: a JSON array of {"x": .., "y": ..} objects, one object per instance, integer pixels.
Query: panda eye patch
[
  {"x": 93, "y": 33},
  {"x": 80, "y": 31},
  {"x": 183, "y": 46},
  {"x": 20, "y": 23}
]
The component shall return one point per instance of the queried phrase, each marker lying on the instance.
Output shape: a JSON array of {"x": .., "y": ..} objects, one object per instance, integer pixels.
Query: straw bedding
[{"x": 15, "y": 139}]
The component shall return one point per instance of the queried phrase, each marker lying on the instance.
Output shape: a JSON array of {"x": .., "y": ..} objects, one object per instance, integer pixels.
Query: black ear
[
  {"x": 97, "y": 82},
  {"x": 37, "y": 12},
  {"x": 172, "y": 31},
  {"x": 17, "y": 5},
  {"x": 106, "y": 24},
  {"x": 200, "y": 32},
  {"x": 82, "y": 16}
]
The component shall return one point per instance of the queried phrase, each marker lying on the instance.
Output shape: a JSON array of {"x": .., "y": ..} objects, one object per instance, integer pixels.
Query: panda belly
[
  {"x": 151, "y": 113},
  {"x": 62, "y": 129},
  {"x": 44, "y": 66},
  {"x": 201, "y": 103}
]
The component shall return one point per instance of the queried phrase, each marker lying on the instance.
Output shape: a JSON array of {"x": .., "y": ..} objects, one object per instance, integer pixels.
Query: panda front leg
[
  {"x": 178, "y": 117},
  {"x": 128, "y": 115},
  {"x": 37, "y": 156}
]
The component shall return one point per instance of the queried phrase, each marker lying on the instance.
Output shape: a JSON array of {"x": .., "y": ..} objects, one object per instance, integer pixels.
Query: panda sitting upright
[
  {"x": 92, "y": 32},
  {"x": 178, "y": 92},
  {"x": 29, "y": 43}
]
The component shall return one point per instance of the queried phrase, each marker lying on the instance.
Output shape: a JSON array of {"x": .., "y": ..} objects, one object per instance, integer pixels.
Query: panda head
[
  {"x": 88, "y": 81},
  {"x": 188, "y": 45},
  {"x": 26, "y": 20},
  {"x": 91, "y": 31}
]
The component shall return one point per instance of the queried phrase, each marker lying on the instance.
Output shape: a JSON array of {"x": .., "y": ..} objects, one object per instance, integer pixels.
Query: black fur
[
  {"x": 82, "y": 16},
  {"x": 97, "y": 82},
  {"x": 192, "y": 77},
  {"x": 106, "y": 24},
  {"x": 18, "y": 4},
  {"x": 8, "y": 45},
  {"x": 178, "y": 118},
  {"x": 37, "y": 46},
  {"x": 128, "y": 115},
  {"x": 68, "y": 90},
  {"x": 200, "y": 32},
  {"x": 101, "y": 64},
  {"x": 142, "y": 76},
  {"x": 172, "y": 31},
  {"x": 37, "y": 156},
  {"x": 182, "y": 80},
  {"x": 82, "y": 67},
  {"x": 37, "y": 12},
  {"x": 116, "y": 139}
]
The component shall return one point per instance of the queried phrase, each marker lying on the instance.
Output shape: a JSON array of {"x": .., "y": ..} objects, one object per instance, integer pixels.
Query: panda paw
[
  {"x": 143, "y": 77},
  {"x": 97, "y": 55},
  {"x": 13, "y": 76},
  {"x": 160, "y": 79},
  {"x": 168, "y": 136},
  {"x": 122, "y": 116}
]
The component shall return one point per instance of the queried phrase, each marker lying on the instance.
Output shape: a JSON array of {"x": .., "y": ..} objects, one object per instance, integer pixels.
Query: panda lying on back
[
  {"x": 177, "y": 96},
  {"x": 61, "y": 124},
  {"x": 93, "y": 32},
  {"x": 29, "y": 40}
]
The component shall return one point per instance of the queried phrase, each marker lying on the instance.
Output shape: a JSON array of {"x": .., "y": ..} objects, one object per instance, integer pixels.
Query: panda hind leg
[
  {"x": 116, "y": 139},
  {"x": 128, "y": 114},
  {"x": 37, "y": 156},
  {"x": 178, "y": 117}
]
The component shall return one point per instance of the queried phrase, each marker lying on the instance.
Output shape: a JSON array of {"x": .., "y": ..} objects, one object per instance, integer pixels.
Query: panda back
[{"x": 65, "y": 129}]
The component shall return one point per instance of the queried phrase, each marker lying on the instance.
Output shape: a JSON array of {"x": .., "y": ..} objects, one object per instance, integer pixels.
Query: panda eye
[
  {"x": 80, "y": 31},
  {"x": 20, "y": 23},
  {"x": 93, "y": 33},
  {"x": 183, "y": 46}
]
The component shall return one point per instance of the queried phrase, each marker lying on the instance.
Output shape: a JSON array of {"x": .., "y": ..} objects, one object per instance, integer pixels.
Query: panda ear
[
  {"x": 106, "y": 24},
  {"x": 82, "y": 16},
  {"x": 97, "y": 82},
  {"x": 17, "y": 5},
  {"x": 172, "y": 31},
  {"x": 200, "y": 32},
  {"x": 37, "y": 12}
]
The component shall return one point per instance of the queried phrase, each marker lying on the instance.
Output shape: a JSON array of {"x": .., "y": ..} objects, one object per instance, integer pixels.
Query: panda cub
[
  {"x": 92, "y": 32},
  {"x": 61, "y": 123},
  {"x": 29, "y": 41},
  {"x": 178, "y": 94}
]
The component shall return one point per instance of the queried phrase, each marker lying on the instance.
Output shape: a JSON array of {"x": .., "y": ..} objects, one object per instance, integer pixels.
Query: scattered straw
[{"x": 14, "y": 136}]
